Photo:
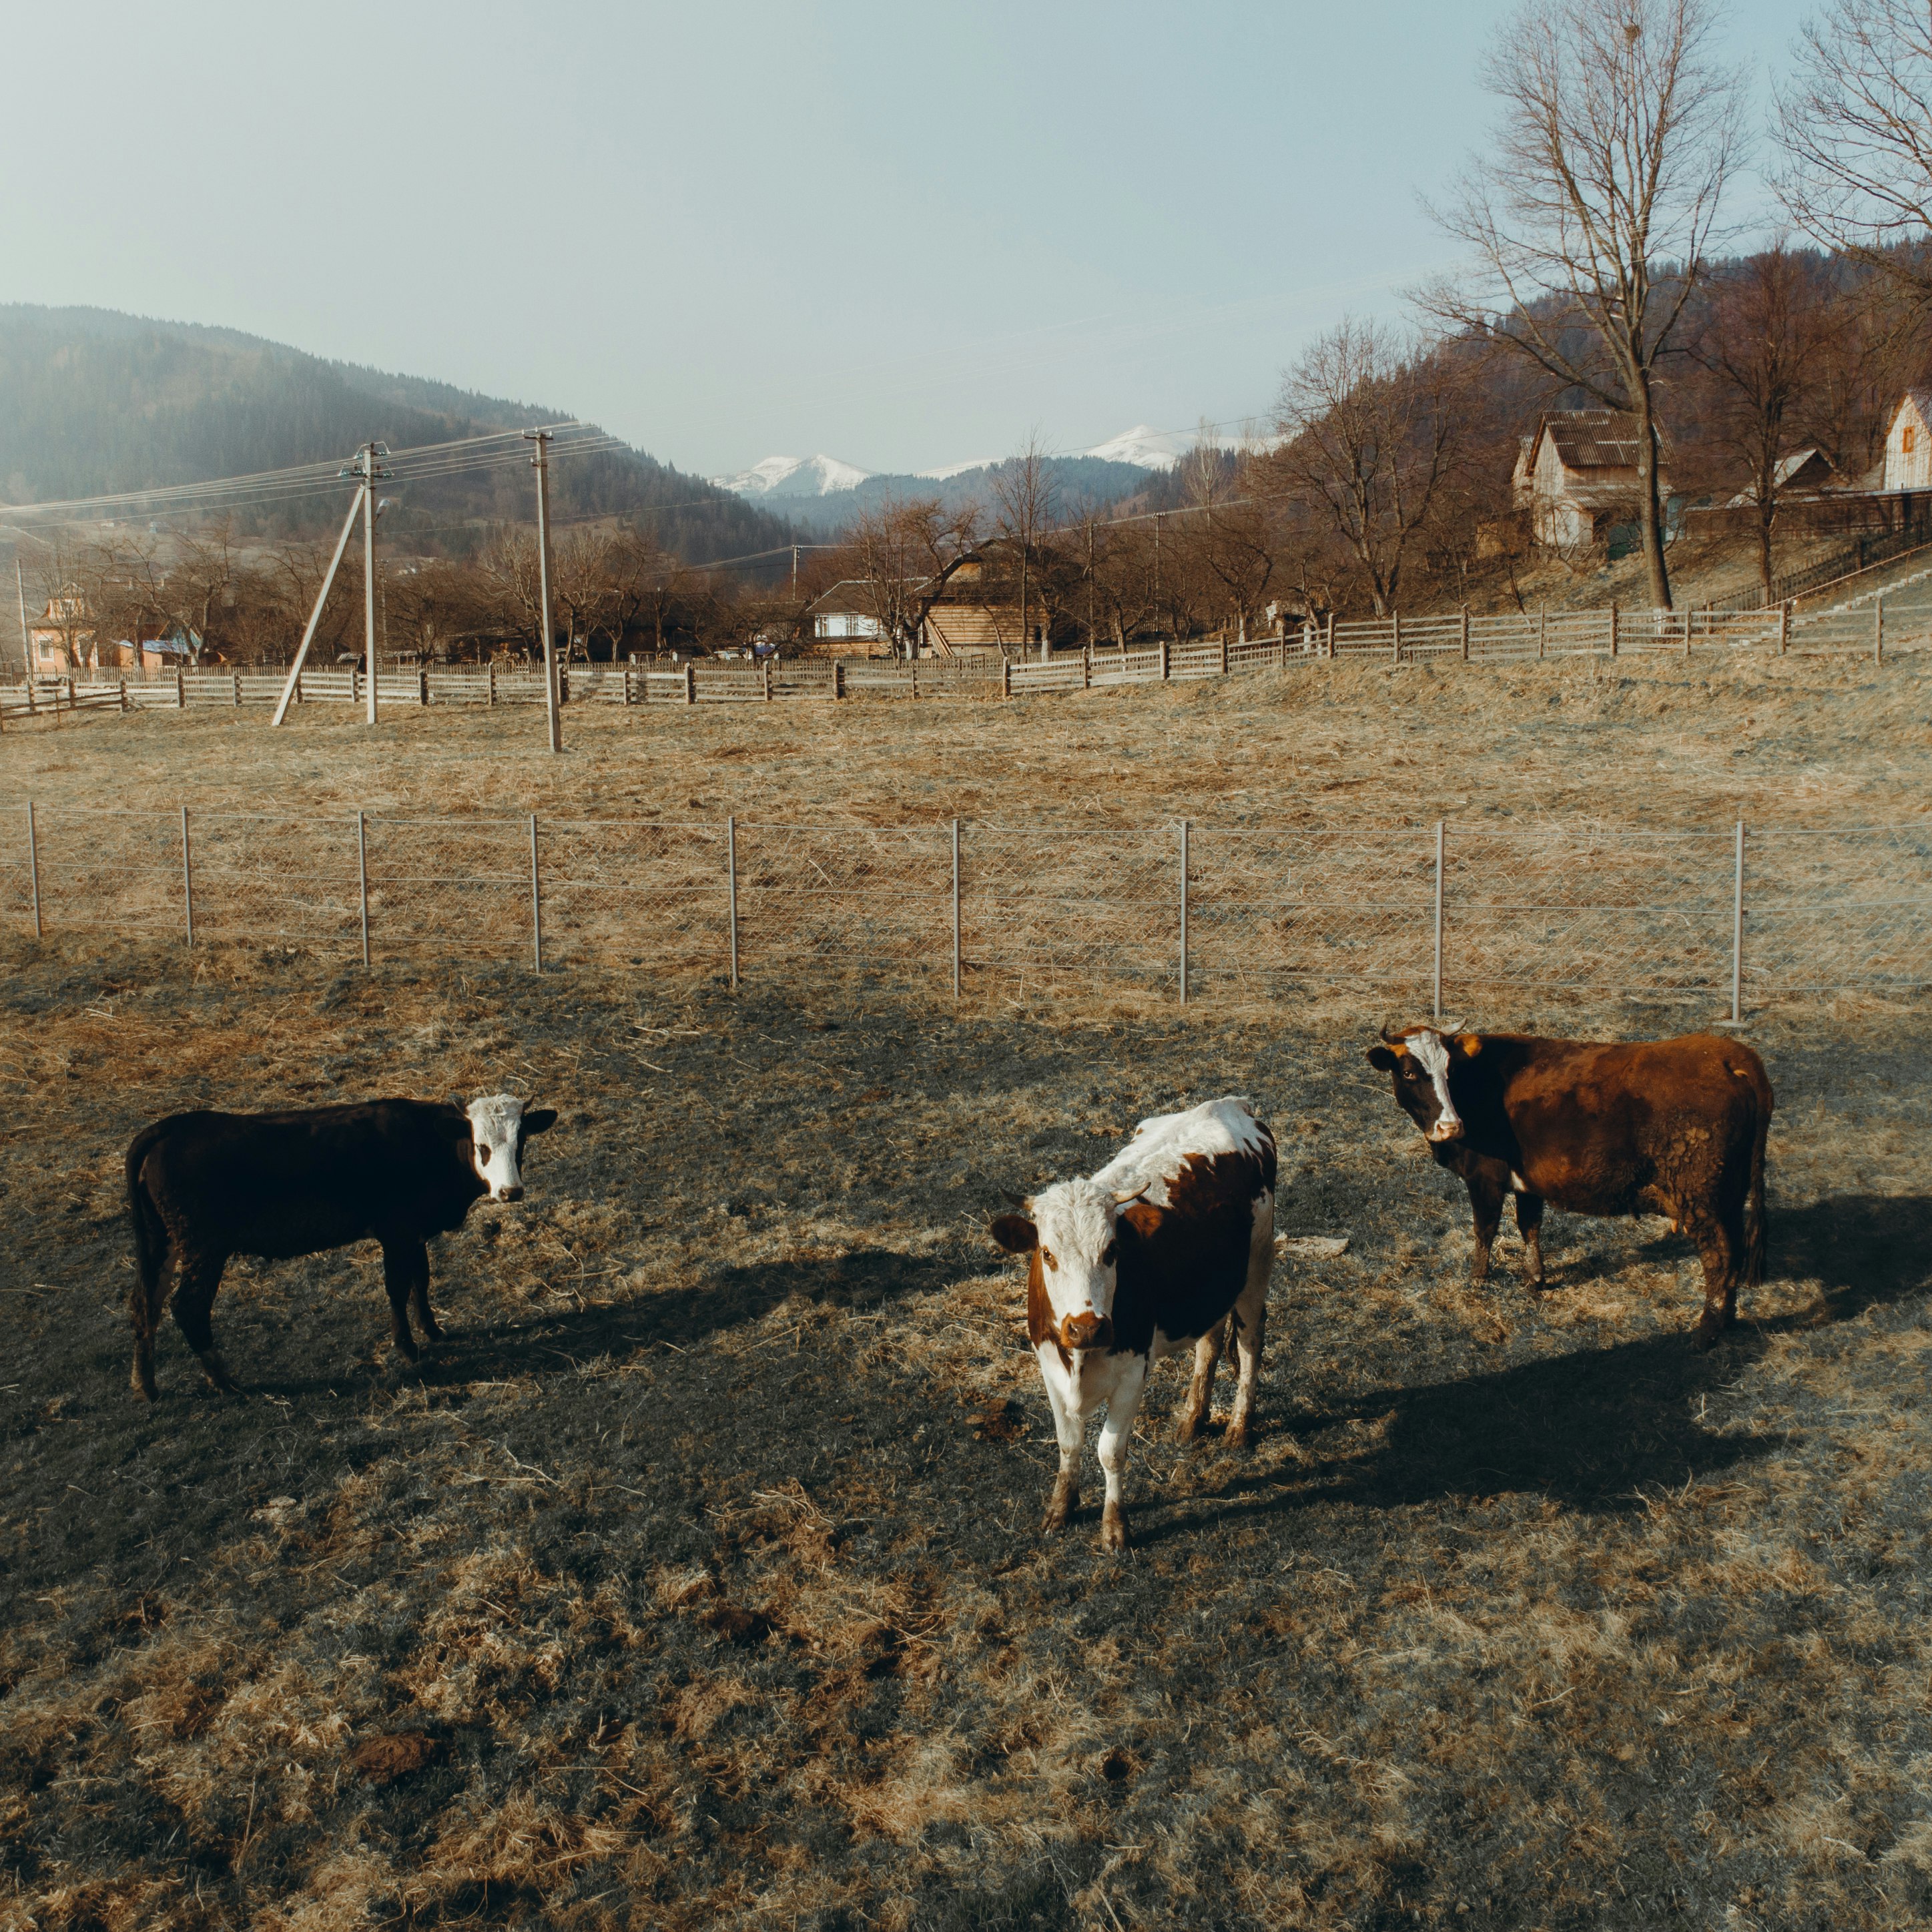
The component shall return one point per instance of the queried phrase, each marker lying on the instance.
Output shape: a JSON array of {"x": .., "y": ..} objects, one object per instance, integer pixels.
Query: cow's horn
[
  {"x": 1012, "y": 1199},
  {"x": 1390, "y": 1039},
  {"x": 1122, "y": 1200}
]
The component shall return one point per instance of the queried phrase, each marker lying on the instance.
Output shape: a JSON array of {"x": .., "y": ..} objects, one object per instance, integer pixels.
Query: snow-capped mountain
[
  {"x": 1153, "y": 449},
  {"x": 1150, "y": 448},
  {"x": 783, "y": 479},
  {"x": 781, "y": 476}
]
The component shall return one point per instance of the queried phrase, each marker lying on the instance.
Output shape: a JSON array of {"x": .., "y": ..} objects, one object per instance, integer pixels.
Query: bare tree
[
  {"x": 1023, "y": 494},
  {"x": 897, "y": 552},
  {"x": 1765, "y": 337},
  {"x": 1229, "y": 536},
  {"x": 1591, "y": 219},
  {"x": 1856, "y": 126},
  {"x": 1372, "y": 431}
]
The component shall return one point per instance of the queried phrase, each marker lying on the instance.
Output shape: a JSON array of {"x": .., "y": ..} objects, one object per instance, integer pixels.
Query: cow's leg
[
  {"x": 405, "y": 1273},
  {"x": 419, "y": 1295},
  {"x": 1070, "y": 1430},
  {"x": 145, "y": 1301},
  {"x": 1485, "y": 1204},
  {"x": 1247, "y": 1323},
  {"x": 1115, "y": 1435},
  {"x": 1200, "y": 1395},
  {"x": 1529, "y": 1224},
  {"x": 1720, "y": 1250},
  {"x": 193, "y": 1304}
]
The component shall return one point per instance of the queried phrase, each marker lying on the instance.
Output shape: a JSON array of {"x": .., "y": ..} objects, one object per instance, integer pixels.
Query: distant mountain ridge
[
  {"x": 93, "y": 402},
  {"x": 828, "y": 493}
]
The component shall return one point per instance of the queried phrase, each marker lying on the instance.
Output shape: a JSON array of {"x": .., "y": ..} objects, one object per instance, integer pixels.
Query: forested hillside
[{"x": 92, "y": 402}]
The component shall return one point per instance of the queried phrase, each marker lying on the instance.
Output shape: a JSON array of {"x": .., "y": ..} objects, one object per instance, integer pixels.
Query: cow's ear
[
  {"x": 1015, "y": 1233},
  {"x": 1383, "y": 1057},
  {"x": 461, "y": 1105},
  {"x": 539, "y": 1120},
  {"x": 1471, "y": 1043}
]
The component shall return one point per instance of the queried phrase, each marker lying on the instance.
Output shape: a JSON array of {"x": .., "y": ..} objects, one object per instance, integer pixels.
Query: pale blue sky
[{"x": 903, "y": 235}]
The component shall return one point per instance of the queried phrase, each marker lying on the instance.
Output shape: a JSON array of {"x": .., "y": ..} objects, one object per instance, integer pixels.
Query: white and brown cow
[{"x": 1167, "y": 1246}]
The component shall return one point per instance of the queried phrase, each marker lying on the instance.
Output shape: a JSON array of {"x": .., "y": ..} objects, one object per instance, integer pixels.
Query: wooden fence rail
[{"x": 1512, "y": 638}]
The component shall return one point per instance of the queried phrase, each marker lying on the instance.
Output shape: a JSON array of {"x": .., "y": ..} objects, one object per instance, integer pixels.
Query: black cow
[{"x": 204, "y": 1186}]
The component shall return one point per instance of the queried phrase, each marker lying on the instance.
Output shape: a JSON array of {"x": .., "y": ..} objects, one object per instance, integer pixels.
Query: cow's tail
[
  {"x": 150, "y": 1236},
  {"x": 1755, "y": 1227}
]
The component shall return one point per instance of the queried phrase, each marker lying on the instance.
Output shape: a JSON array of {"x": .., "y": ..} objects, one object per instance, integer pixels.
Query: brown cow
[{"x": 1670, "y": 1126}]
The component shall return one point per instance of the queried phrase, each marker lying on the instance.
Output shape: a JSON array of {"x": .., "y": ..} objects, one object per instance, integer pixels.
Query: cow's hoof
[
  {"x": 1113, "y": 1529},
  {"x": 1239, "y": 1436},
  {"x": 1709, "y": 1334},
  {"x": 1058, "y": 1510},
  {"x": 1187, "y": 1429},
  {"x": 216, "y": 1369},
  {"x": 142, "y": 1381}
]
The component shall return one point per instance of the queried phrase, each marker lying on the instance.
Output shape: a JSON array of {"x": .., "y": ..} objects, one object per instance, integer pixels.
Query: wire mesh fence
[{"x": 1174, "y": 910}]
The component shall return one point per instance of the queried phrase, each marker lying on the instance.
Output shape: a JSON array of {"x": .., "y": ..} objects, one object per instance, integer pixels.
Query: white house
[{"x": 1908, "y": 443}]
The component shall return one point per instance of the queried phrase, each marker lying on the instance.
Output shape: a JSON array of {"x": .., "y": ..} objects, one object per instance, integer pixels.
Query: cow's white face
[
  {"x": 1419, "y": 1061},
  {"x": 1431, "y": 1053},
  {"x": 1074, "y": 1229},
  {"x": 499, "y": 1126}
]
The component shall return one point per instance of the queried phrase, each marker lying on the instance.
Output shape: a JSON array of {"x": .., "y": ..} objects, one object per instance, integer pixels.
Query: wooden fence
[{"x": 1866, "y": 630}]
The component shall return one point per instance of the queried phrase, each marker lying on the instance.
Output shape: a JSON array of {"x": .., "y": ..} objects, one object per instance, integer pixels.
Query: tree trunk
[{"x": 1650, "y": 502}]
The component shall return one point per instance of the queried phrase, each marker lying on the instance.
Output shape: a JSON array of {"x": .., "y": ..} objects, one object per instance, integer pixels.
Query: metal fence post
[
  {"x": 1183, "y": 912},
  {"x": 731, "y": 888},
  {"x": 33, "y": 866},
  {"x": 956, "y": 908},
  {"x": 1737, "y": 927},
  {"x": 187, "y": 876},
  {"x": 536, "y": 902},
  {"x": 362, "y": 881},
  {"x": 1436, "y": 1008}
]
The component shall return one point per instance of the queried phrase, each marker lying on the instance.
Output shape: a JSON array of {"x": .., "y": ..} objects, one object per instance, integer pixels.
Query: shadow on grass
[
  {"x": 1593, "y": 1430},
  {"x": 683, "y": 1318}
]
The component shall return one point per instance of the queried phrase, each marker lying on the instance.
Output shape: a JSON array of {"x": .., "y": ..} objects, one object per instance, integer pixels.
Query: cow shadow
[
  {"x": 680, "y": 1319},
  {"x": 674, "y": 1318},
  {"x": 1596, "y": 1431}
]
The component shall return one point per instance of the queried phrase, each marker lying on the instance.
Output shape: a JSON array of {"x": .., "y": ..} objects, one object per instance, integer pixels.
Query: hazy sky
[{"x": 901, "y": 234}]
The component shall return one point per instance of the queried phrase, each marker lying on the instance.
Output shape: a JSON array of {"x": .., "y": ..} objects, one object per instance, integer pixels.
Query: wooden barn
[{"x": 1578, "y": 474}]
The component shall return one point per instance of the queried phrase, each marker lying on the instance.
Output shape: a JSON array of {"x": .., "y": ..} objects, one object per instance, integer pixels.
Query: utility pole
[
  {"x": 26, "y": 648},
  {"x": 362, "y": 471},
  {"x": 540, "y": 463},
  {"x": 794, "y": 570},
  {"x": 372, "y": 474}
]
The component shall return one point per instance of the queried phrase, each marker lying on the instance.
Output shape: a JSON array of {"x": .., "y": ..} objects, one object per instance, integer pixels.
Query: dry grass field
[
  {"x": 695, "y": 1581},
  {"x": 1657, "y": 740}
]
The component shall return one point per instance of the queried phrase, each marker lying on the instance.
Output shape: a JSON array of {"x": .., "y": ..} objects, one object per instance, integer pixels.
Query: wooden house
[
  {"x": 1908, "y": 443},
  {"x": 1578, "y": 474},
  {"x": 62, "y": 640},
  {"x": 975, "y": 608}
]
